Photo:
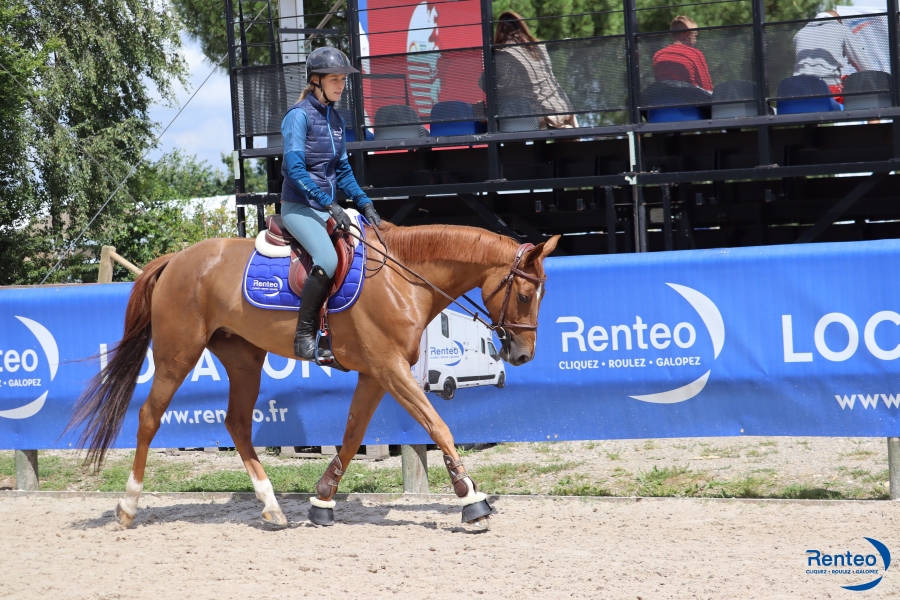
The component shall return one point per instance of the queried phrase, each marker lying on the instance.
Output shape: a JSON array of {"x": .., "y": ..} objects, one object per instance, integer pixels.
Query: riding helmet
[{"x": 326, "y": 60}]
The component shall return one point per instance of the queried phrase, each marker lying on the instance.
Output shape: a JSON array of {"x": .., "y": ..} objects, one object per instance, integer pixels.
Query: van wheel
[
  {"x": 449, "y": 389},
  {"x": 501, "y": 381}
]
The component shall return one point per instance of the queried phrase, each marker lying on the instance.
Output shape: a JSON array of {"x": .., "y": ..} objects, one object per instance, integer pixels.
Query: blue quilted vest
[{"x": 324, "y": 147}]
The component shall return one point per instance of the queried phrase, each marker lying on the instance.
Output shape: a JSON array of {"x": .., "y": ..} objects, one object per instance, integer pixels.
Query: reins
[{"x": 514, "y": 271}]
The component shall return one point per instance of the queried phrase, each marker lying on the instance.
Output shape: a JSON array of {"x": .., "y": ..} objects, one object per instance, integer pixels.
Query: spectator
[
  {"x": 681, "y": 61},
  {"x": 825, "y": 49},
  {"x": 531, "y": 71}
]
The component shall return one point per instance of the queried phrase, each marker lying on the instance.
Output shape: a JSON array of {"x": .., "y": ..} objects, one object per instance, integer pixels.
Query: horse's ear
[{"x": 542, "y": 250}]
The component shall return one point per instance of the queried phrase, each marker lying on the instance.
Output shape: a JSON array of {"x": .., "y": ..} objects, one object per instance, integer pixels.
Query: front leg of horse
[
  {"x": 366, "y": 398},
  {"x": 404, "y": 388}
]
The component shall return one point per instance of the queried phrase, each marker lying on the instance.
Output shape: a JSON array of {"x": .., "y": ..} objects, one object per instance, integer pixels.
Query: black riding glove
[
  {"x": 342, "y": 221},
  {"x": 372, "y": 216}
]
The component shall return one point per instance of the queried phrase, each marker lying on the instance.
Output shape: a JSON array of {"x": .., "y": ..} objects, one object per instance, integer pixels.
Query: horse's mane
[{"x": 448, "y": 242}]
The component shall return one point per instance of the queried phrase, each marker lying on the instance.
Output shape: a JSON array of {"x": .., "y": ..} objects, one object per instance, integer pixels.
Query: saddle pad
[{"x": 266, "y": 282}]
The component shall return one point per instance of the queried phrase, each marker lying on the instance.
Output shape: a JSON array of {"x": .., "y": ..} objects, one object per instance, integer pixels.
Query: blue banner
[{"x": 786, "y": 340}]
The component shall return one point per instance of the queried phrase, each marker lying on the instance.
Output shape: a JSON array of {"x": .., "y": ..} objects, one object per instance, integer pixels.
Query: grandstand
[{"x": 648, "y": 152}]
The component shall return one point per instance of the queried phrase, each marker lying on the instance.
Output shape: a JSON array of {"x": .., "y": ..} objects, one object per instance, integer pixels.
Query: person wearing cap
[{"x": 315, "y": 166}]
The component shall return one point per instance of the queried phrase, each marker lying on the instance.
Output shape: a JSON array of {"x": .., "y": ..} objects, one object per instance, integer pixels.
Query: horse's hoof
[
  {"x": 275, "y": 516},
  {"x": 321, "y": 516},
  {"x": 473, "y": 512},
  {"x": 123, "y": 518}
]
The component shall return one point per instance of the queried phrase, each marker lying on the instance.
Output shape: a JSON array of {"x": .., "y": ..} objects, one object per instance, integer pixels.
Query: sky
[{"x": 204, "y": 128}]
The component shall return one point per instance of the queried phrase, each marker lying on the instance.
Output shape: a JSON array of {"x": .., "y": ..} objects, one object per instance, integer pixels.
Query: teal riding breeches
[{"x": 307, "y": 225}]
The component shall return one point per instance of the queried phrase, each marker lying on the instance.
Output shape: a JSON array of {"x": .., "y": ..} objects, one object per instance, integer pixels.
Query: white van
[{"x": 457, "y": 352}]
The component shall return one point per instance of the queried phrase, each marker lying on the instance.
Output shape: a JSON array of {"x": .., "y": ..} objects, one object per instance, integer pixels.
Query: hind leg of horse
[
  {"x": 243, "y": 362},
  {"x": 173, "y": 363},
  {"x": 402, "y": 386},
  {"x": 366, "y": 398}
]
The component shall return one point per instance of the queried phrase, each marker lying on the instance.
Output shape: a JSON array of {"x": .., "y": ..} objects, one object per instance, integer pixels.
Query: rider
[{"x": 315, "y": 164}]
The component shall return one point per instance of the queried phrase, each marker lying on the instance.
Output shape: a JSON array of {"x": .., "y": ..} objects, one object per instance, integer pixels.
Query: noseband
[{"x": 501, "y": 325}]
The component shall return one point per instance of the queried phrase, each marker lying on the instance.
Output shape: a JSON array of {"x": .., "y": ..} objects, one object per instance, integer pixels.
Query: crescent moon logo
[
  {"x": 712, "y": 319},
  {"x": 51, "y": 352}
]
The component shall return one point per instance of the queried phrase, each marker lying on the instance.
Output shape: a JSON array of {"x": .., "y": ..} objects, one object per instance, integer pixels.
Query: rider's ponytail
[{"x": 309, "y": 88}]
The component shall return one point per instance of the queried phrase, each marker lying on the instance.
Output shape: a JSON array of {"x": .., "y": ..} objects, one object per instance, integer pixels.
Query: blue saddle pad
[{"x": 266, "y": 282}]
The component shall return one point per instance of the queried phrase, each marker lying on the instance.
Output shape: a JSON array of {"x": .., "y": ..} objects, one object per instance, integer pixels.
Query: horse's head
[{"x": 516, "y": 311}]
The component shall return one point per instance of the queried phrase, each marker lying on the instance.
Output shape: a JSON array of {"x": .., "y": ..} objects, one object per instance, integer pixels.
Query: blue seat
[
  {"x": 454, "y": 117},
  {"x": 668, "y": 101},
  {"x": 350, "y": 125},
  {"x": 675, "y": 113},
  {"x": 805, "y": 85}
]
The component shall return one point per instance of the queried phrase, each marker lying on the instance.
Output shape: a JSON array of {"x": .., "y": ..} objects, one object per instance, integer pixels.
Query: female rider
[{"x": 315, "y": 166}]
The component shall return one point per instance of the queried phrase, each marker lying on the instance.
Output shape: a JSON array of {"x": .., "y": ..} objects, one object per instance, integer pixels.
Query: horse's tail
[{"x": 102, "y": 406}]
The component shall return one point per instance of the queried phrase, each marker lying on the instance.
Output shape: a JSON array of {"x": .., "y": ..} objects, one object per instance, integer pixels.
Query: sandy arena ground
[{"x": 188, "y": 546}]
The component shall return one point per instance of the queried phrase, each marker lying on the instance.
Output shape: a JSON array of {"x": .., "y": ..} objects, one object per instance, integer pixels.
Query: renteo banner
[{"x": 795, "y": 340}]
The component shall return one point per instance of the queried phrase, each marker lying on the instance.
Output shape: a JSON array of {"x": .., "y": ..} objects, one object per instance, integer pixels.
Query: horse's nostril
[{"x": 523, "y": 358}]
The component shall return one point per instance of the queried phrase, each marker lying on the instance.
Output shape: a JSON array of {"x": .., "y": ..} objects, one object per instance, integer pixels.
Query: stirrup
[{"x": 325, "y": 333}]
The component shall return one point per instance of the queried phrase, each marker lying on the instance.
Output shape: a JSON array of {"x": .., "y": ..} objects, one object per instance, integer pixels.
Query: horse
[{"x": 191, "y": 300}]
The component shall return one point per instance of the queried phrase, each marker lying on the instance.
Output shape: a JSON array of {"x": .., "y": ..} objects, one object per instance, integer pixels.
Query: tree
[
  {"x": 78, "y": 125},
  {"x": 204, "y": 21}
]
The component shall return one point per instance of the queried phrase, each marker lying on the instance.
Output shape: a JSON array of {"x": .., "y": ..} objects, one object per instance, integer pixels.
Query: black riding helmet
[{"x": 327, "y": 60}]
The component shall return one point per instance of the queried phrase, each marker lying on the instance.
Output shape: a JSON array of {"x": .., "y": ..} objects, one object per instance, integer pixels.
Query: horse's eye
[{"x": 523, "y": 298}]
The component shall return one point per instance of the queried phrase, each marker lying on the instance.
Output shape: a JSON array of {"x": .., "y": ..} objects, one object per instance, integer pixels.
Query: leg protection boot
[{"x": 315, "y": 291}]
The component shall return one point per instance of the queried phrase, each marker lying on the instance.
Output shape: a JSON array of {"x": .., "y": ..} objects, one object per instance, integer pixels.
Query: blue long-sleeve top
[{"x": 315, "y": 156}]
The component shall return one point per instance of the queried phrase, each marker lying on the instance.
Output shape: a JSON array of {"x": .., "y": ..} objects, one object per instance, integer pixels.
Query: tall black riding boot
[{"x": 314, "y": 292}]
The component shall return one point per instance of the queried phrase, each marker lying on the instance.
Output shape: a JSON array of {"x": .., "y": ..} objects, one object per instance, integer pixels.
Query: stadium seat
[
  {"x": 675, "y": 113},
  {"x": 876, "y": 83},
  {"x": 805, "y": 85},
  {"x": 350, "y": 125},
  {"x": 398, "y": 122},
  {"x": 740, "y": 97},
  {"x": 454, "y": 118},
  {"x": 668, "y": 101},
  {"x": 523, "y": 114}
]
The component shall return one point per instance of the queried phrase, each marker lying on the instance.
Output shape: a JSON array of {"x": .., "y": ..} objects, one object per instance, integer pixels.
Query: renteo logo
[
  {"x": 276, "y": 286},
  {"x": 848, "y": 563},
  {"x": 17, "y": 362},
  {"x": 661, "y": 336}
]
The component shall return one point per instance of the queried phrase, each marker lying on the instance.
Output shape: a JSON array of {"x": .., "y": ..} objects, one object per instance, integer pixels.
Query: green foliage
[
  {"x": 204, "y": 21},
  {"x": 89, "y": 67}
]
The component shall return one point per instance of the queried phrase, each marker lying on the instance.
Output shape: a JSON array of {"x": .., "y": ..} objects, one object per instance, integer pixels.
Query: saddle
[{"x": 276, "y": 235}]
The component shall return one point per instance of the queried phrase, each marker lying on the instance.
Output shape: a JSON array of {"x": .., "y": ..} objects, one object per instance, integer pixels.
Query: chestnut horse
[{"x": 192, "y": 300}]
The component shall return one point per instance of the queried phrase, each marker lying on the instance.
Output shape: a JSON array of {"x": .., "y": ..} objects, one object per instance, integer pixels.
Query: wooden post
[
  {"x": 894, "y": 466},
  {"x": 106, "y": 264},
  {"x": 415, "y": 469},
  {"x": 27, "y": 470}
]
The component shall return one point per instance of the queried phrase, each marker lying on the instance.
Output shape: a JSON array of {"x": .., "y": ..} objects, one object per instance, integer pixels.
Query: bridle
[
  {"x": 500, "y": 327},
  {"x": 514, "y": 271}
]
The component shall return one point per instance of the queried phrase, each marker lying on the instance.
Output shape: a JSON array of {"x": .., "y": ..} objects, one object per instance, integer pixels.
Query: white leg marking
[
  {"x": 133, "y": 490},
  {"x": 265, "y": 493}
]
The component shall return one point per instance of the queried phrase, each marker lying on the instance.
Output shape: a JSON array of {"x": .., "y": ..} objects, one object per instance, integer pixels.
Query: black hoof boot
[
  {"x": 473, "y": 512},
  {"x": 322, "y": 516}
]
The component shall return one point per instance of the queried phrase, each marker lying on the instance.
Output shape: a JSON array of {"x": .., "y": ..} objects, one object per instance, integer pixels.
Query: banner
[{"x": 786, "y": 340}]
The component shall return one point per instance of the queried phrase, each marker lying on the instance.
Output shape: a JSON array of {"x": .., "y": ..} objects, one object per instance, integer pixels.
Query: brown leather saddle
[{"x": 301, "y": 262}]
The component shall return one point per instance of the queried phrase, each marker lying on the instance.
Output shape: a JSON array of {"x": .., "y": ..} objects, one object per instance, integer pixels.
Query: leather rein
[{"x": 514, "y": 271}]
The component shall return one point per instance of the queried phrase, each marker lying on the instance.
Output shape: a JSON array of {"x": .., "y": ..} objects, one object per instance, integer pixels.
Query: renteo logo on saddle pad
[{"x": 755, "y": 341}]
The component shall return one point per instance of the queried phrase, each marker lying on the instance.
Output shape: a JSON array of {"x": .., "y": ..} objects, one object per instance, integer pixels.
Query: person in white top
[{"x": 825, "y": 49}]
